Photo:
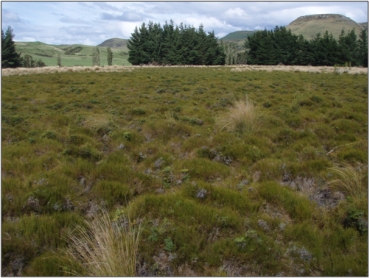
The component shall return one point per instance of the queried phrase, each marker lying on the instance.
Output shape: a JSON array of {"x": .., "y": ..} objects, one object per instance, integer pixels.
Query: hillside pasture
[{"x": 49, "y": 54}]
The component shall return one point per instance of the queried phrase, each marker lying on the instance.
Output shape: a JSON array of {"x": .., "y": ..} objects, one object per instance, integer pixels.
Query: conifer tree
[
  {"x": 9, "y": 57},
  {"x": 362, "y": 48},
  {"x": 134, "y": 45},
  {"x": 348, "y": 47},
  {"x": 173, "y": 45}
]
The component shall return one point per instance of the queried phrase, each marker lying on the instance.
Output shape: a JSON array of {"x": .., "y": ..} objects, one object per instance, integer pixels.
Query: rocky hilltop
[{"x": 310, "y": 25}]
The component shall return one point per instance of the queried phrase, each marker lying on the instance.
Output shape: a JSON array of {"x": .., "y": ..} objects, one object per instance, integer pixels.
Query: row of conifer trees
[
  {"x": 174, "y": 45},
  {"x": 280, "y": 46}
]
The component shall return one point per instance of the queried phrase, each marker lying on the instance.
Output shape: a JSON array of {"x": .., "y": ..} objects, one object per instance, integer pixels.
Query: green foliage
[
  {"x": 109, "y": 56},
  {"x": 72, "y": 50},
  {"x": 180, "y": 45},
  {"x": 9, "y": 57},
  {"x": 355, "y": 219},
  {"x": 280, "y": 46},
  {"x": 96, "y": 57},
  {"x": 59, "y": 60}
]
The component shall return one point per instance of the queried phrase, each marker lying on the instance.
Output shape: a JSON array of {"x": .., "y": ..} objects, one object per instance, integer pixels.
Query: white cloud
[
  {"x": 127, "y": 28},
  {"x": 235, "y": 12}
]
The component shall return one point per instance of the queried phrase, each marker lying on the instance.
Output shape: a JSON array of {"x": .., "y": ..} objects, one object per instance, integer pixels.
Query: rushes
[
  {"x": 105, "y": 248},
  {"x": 242, "y": 117},
  {"x": 349, "y": 180}
]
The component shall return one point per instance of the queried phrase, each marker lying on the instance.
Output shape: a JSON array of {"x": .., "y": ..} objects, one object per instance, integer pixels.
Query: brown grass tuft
[
  {"x": 242, "y": 117},
  {"x": 105, "y": 248},
  {"x": 349, "y": 180}
]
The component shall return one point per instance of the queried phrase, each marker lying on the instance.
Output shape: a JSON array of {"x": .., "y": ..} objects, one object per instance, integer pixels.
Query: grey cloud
[
  {"x": 72, "y": 20},
  {"x": 104, "y": 6},
  {"x": 129, "y": 16},
  {"x": 10, "y": 17},
  {"x": 78, "y": 30}
]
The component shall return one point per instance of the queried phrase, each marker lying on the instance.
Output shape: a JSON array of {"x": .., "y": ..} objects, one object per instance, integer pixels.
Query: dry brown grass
[
  {"x": 97, "y": 122},
  {"x": 242, "y": 117},
  {"x": 55, "y": 69},
  {"x": 349, "y": 180},
  {"x": 318, "y": 69},
  {"x": 105, "y": 248},
  {"x": 234, "y": 68}
]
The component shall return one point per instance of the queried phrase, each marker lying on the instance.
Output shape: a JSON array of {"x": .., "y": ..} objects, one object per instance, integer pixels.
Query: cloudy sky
[{"x": 91, "y": 23}]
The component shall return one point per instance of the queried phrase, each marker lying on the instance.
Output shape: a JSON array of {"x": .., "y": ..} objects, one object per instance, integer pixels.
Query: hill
[
  {"x": 364, "y": 25},
  {"x": 238, "y": 35},
  {"x": 71, "y": 55},
  {"x": 310, "y": 25},
  {"x": 114, "y": 43}
]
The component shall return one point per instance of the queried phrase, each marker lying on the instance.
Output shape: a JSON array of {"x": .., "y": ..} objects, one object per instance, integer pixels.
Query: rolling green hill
[{"x": 71, "y": 55}]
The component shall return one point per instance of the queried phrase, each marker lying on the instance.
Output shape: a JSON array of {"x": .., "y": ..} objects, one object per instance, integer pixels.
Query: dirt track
[{"x": 233, "y": 68}]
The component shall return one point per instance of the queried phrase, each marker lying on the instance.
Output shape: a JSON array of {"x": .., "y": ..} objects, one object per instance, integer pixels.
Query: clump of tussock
[
  {"x": 349, "y": 180},
  {"x": 105, "y": 248},
  {"x": 100, "y": 123},
  {"x": 242, "y": 117}
]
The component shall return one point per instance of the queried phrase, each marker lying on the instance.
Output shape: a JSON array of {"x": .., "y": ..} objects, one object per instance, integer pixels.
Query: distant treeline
[
  {"x": 180, "y": 45},
  {"x": 280, "y": 46}
]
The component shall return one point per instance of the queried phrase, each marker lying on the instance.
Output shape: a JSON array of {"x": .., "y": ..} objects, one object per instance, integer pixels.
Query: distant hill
[
  {"x": 114, "y": 43},
  {"x": 364, "y": 25},
  {"x": 71, "y": 55},
  {"x": 310, "y": 25},
  {"x": 238, "y": 35}
]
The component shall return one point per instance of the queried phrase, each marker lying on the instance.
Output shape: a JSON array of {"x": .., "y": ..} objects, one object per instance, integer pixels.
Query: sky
[{"x": 91, "y": 23}]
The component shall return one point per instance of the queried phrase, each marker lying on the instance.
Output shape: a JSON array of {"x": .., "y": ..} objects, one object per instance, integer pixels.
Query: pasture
[{"x": 83, "y": 57}]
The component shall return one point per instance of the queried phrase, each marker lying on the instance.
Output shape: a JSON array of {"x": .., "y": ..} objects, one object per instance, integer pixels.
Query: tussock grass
[
  {"x": 350, "y": 180},
  {"x": 105, "y": 248},
  {"x": 208, "y": 199},
  {"x": 242, "y": 117}
]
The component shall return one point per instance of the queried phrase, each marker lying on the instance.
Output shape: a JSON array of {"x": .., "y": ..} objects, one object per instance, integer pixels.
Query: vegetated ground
[
  {"x": 310, "y": 25},
  {"x": 212, "y": 198},
  {"x": 78, "y": 55}
]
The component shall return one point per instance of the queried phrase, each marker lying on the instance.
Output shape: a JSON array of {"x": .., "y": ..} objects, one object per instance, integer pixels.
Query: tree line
[
  {"x": 174, "y": 45},
  {"x": 185, "y": 45},
  {"x": 280, "y": 46}
]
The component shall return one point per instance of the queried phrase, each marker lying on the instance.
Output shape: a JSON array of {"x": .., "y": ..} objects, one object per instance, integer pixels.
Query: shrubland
[{"x": 185, "y": 171}]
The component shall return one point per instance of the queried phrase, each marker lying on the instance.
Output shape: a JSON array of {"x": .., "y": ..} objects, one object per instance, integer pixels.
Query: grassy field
[
  {"x": 185, "y": 171},
  {"x": 49, "y": 54}
]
